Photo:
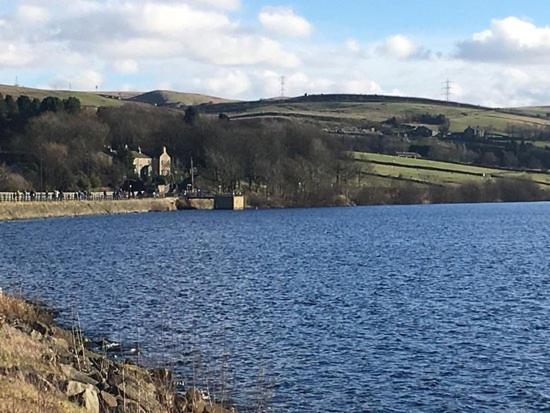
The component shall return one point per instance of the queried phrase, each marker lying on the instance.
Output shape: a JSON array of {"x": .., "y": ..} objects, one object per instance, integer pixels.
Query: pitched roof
[{"x": 141, "y": 155}]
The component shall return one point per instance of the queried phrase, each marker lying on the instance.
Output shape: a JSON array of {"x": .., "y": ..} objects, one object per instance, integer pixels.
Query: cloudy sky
[{"x": 496, "y": 52}]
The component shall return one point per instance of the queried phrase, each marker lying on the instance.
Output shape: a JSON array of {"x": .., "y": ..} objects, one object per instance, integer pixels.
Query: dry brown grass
[
  {"x": 17, "y": 396},
  {"x": 17, "y": 349},
  {"x": 20, "y": 309}
]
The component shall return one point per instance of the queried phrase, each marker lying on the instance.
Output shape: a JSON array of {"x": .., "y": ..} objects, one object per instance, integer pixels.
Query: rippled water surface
[{"x": 421, "y": 308}]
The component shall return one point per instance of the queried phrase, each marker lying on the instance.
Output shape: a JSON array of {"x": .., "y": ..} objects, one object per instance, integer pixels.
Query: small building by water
[
  {"x": 230, "y": 202},
  {"x": 209, "y": 202}
]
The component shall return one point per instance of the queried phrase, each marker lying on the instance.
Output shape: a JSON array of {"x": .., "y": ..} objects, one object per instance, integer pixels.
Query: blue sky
[{"x": 494, "y": 51}]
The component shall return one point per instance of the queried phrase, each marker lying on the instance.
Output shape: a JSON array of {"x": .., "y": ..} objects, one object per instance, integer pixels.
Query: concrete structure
[
  {"x": 231, "y": 202},
  {"x": 143, "y": 164},
  {"x": 165, "y": 163},
  {"x": 228, "y": 202}
]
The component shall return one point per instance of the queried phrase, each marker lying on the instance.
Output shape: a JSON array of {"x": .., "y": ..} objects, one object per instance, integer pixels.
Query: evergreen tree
[
  {"x": 191, "y": 115},
  {"x": 24, "y": 106},
  {"x": 3, "y": 107},
  {"x": 35, "y": 106},
  {"x": 11, "y": 106},
  {"x": 72, "y": 105},
  {"x": 51, "y": 104}
]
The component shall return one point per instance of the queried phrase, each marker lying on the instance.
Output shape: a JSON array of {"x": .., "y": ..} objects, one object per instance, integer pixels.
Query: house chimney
[
  {"x": 164, "y": 150},
  {"x": 139, "y": 149}
]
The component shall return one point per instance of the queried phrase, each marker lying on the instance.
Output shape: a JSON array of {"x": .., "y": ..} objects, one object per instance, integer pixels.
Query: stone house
[{"x": 143, "y": 164}]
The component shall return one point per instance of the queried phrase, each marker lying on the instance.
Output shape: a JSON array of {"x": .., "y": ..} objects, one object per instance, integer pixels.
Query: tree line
[{"x": 54, "y": 144}]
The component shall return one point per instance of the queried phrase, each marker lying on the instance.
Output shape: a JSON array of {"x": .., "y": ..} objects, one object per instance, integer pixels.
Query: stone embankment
[
  {"x": 31, "y": 210},
  {"x": 47, "y": 369}
]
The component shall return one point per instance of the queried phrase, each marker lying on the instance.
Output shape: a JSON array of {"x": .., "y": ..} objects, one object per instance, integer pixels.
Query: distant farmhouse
[{"x": 145, "y": 165}]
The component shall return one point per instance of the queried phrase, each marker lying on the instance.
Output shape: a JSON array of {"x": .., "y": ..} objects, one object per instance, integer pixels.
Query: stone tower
[{"x": 165, "y": 163}]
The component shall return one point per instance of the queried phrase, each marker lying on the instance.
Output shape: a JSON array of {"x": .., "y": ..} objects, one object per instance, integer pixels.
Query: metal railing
[{"x": 57, "y": 196}]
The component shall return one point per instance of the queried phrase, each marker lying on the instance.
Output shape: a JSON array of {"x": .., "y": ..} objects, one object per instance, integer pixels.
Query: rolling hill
[
  {"x": 353, "y": 109},
  {"x": 86, "y": 98},
  {"x": 336, "y": 109},
  {"x": 171, "y": 98},
  {"x": 116, "y": 98}
]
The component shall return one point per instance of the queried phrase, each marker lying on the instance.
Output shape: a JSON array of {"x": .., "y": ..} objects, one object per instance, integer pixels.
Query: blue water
[{"x": 382, "y": 309}]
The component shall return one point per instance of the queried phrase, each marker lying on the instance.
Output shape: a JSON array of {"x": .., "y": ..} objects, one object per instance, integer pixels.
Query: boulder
[
  {"x": 199, "y": 406},
  {"x": 75, "y": 388},
  {"x": 114, "y": 377},
  {"x": 73, "y": 374},
  {"x": 90, "y": 400},
  {"x": 42, "y": 328},
  {"x": 130, "y": 390},
  {"x": 216, "y": 408},
  {"x": 109, "y": 400}
]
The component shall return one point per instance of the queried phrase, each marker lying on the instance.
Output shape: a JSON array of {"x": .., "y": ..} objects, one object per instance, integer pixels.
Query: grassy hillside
[
  {"x": 86, "y": 98},
  {"x": 342, "y": 109},
  {"x": 170, "y": 98},
  {"x": 429, "y": 172},
  {"x": 116, "y": 98},
  {"x": 537, "y": 111},
  {"x": 357, "y": 108}
]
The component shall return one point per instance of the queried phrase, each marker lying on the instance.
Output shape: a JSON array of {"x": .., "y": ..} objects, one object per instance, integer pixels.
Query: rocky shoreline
[{"x": 48, "y": 369}]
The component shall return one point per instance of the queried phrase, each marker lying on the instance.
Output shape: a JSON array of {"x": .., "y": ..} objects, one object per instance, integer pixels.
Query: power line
[
  {"x": 447, "y": 89},
  {"x": 283, "y": 80}
]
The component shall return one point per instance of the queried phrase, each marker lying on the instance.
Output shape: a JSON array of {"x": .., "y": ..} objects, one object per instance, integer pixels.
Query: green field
[
  {"x": 438, "y": 173},
  {"x": 336, "y": 109},
  {"x": 167, "y": 97},
  {"x": 346, "y": 110},
  {"x": 86, "y": 98},
  {"x": 109, "y": 99}
]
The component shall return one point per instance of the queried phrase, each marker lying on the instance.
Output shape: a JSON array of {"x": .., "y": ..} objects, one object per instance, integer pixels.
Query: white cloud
[
  {"x": 298, "y": 83},
  {"x": 12, "y": 54},
  {"x": 164, "y": 29},
  {"x": 127, "y": 66},
  {"x": 32, "y": 14},
  {"x": 285, "y": 22},
  {"x": 508, "y": 40},
  {"x": 221, "y": 4},
  {"x": 360, "y": 86},
  {"x": 205, "y": 46},
  {"x": 232, "y": 83},
  {"x": 174, "y": 19},
  {"x": 87, "y": 80},
  {"x": 398, "y": 47},
  {"x": 353, "y": 46}
]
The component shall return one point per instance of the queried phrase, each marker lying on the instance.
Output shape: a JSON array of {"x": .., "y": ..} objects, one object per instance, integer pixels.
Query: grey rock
[
  {"x": 91, "y": 401},
  {"x": 75, "y": 388},
  {"x": 72, "y": 374},
  {"x": 109, "y": 400},
  {"x": 88, "y": 399}
]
